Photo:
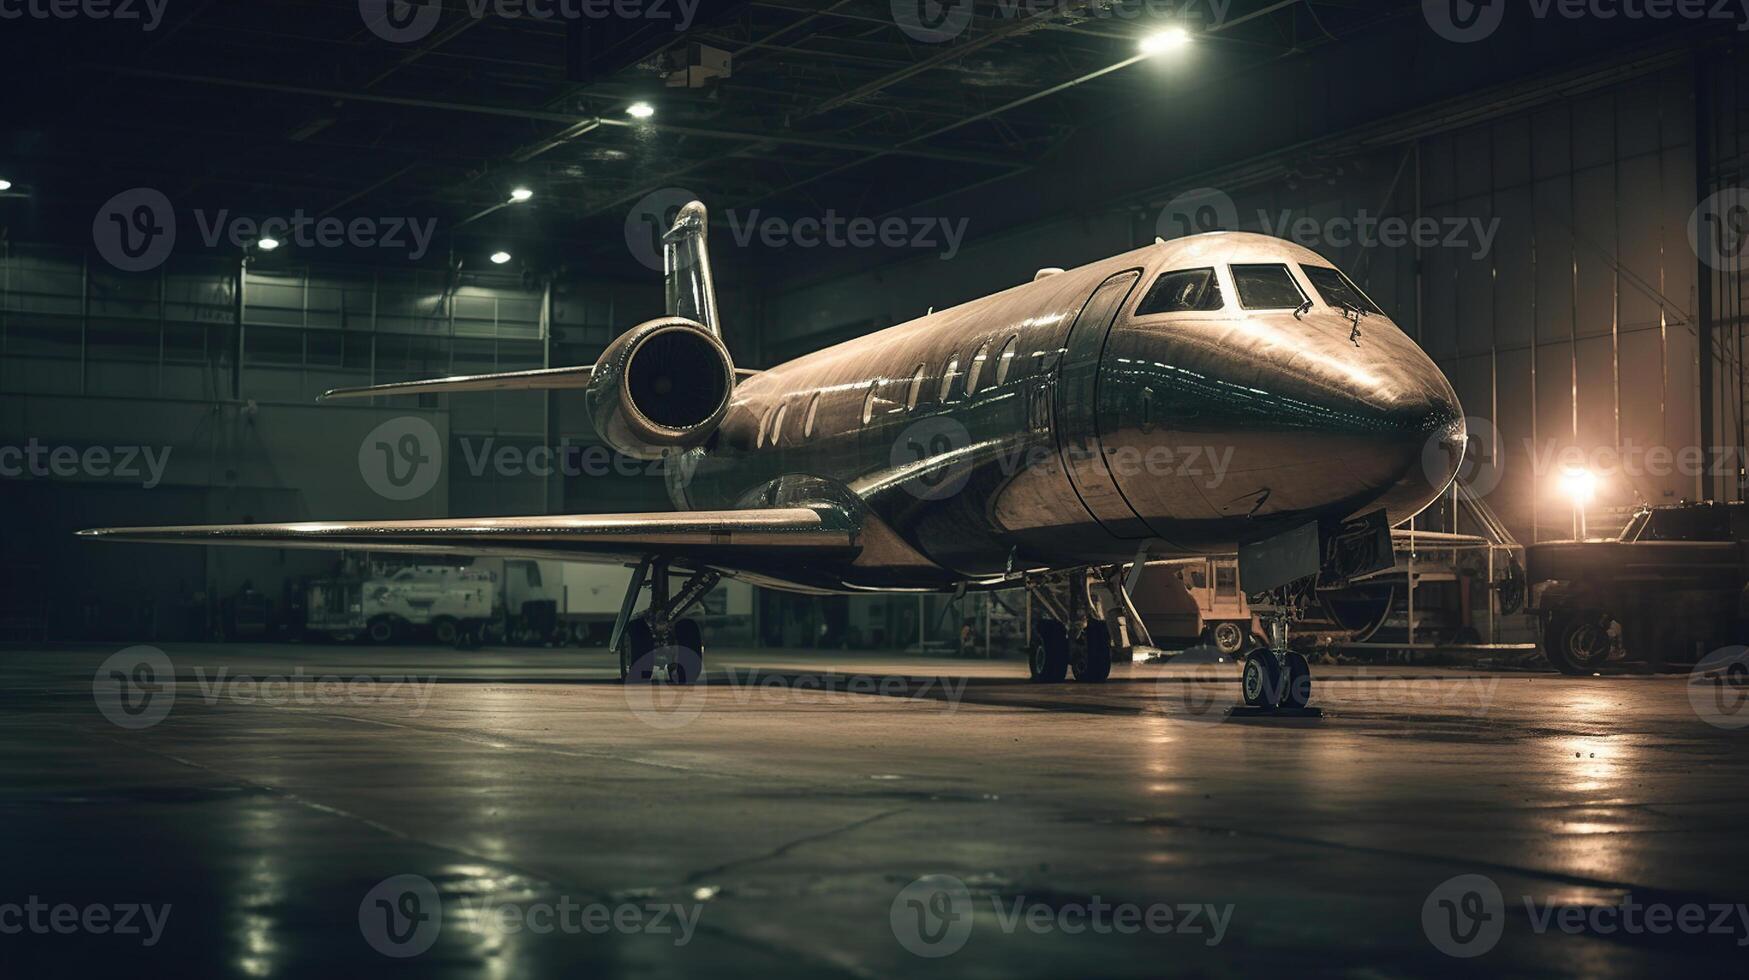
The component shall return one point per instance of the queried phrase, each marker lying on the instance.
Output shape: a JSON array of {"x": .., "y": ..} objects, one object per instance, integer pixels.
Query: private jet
[{"x": 1036, "y": 437}]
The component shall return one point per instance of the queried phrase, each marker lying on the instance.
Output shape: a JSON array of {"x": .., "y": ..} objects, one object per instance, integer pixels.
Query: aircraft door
[{"x": 1077, "y": 410}]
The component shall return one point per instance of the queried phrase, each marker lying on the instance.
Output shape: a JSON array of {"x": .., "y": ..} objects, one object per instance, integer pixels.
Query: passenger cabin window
[
  {"x": 976, "y": 369},
  {"x": 1005, "y": 360},
  {"x": 947, "y": 375},
  {"x": 813, "y": 413},
  {"x": 777, "y": 424},
  {"x": 764, "y": 427},
  {"x": 916, "y": 390},
  {"x": 1184, "y": 291},
  {"x": 1337, "y": 290},
  {"x": 1267, "y": 287},
  {"x": 868, "y": 402}
]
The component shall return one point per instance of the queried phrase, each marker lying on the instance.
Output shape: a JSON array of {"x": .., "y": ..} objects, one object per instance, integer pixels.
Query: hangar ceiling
[{"x": 276, "y": 105}]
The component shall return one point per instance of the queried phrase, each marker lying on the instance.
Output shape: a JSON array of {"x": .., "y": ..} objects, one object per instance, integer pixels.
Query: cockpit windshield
[
  {"x": 1267, "y": 287},
  {"x": 1186, "y": 290},
  {"x": 1337, "y": 290}
]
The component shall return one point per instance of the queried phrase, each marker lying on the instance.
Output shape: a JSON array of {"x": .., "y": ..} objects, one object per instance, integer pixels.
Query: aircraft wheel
[
  {"x": 1297, "y": 689},
  {"x": 635, "y": 651},
  {"x": 1226, "y": 638},
  {"x": 688, "y": 665},
  {"x": 1261, "y": 681},
  {"x": 1092, "y": 661},
  {"x": 1049, "y": 659}
]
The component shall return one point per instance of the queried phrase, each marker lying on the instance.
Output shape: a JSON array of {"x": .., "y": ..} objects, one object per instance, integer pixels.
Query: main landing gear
[
  {"x": 660, "y": 644},
  {"x": 1070, "y": 638}
]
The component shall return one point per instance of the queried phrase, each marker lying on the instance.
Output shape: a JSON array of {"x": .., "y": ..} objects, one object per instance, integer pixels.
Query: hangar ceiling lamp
[
  {"x": 640, "y": 110},
  {"x": 1580, "y": 485},
  {"x": 1160, "y": 42},
  {"x": 267, "y": 244},
  {"x": 499, "y": 258},
  {"x": 521, "y": 195},
  {"x": 5, "y": 185}
]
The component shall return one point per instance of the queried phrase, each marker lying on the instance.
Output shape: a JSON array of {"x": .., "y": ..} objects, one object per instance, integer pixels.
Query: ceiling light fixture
[
  {"x": 499, "y": 258},
  {"x": 640, "y": 110},
  {"x": 520, "y": 195},
  {"x": 1170, "y": 39}
]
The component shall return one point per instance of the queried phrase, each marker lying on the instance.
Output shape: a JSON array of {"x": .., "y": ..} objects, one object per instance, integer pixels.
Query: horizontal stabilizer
[
  {"x": 539, "y": 379},
  {"x": 706, "y": 536}
]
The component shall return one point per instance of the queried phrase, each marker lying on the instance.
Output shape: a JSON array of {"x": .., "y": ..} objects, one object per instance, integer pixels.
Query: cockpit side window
[
  {"x": 1267, "y": 287},
  {"x": 1338, "y": 290},
  {"x": 1186, "y": 290}
]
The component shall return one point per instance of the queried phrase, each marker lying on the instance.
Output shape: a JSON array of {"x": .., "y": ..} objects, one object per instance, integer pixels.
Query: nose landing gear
[{"x": 1277, "y": 680}]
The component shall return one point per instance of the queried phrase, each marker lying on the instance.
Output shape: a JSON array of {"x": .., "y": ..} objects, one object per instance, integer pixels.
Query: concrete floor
[{"x": 786, "y": 810}]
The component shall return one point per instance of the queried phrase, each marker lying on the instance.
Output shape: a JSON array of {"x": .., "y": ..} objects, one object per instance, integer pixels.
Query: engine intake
[{"x": 663, "y": 386}]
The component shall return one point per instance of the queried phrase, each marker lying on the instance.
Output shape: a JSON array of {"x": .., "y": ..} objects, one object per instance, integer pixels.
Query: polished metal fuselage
[{"x": 1103, "y": 434}]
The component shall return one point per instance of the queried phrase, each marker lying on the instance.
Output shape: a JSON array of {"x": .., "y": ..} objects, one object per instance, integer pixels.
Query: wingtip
[{"x": 92, "y": 532}]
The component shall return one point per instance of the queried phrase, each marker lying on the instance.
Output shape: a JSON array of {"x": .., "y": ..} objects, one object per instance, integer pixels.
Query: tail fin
[{"x": 686, "y": 269}]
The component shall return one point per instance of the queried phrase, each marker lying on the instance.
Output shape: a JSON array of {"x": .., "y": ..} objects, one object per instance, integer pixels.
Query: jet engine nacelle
[{"x": 662, "y": 387}]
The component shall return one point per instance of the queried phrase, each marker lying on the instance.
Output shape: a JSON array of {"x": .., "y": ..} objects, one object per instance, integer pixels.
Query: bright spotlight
[
  {"x": 267, "y": 244},
  {"x": 499, "y": 258},
  {"x": 1579, "y": 484},
  {"x": 640, "y": 110},
  {"x": 521, "y": 194},
  {"x": 1170, "y": 39},
  {"x": 5, "y": 185}
]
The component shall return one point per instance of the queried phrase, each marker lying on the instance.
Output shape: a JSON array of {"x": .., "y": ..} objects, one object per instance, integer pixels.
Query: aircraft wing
[
  {"x": 539, "y": 379},
  {"x": 721, "y": 538}
]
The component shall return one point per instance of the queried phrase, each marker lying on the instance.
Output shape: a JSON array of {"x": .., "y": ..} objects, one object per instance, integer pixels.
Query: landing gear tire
[
  {"x": 635, "y": 650},
  {"x": 688, "y": 665},
  {"x": 1297, "y": 685},
  {"x": 1048, "y": 662},
  {"x": 1227, "y": 638},
  {"x": 1576, "y": 643},
  {"x": 1092, "y": 660},
  {"x": 1261, "y": 681}
]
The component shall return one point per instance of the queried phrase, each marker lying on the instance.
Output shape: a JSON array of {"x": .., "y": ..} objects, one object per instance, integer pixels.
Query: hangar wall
[
  {"x": 215, "y": 369},
  {"x": 1565, "y": 312}
]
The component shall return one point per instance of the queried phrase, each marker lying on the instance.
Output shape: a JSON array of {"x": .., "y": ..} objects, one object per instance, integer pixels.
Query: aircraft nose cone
[{"x": 1425, "y": 441}]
